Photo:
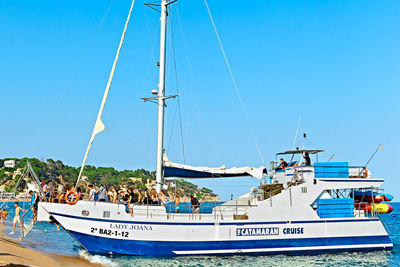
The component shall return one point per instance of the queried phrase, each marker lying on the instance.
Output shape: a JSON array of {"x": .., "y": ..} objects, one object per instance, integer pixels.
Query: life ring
[
  {"x": 365, "y": 173},
  {"x": 74, "y": 199}
]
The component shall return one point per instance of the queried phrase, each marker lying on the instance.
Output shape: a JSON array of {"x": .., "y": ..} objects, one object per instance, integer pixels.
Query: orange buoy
[{"x": 71, "y": 197}]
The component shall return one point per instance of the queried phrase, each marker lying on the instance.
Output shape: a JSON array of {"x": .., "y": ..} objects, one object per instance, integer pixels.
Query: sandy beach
[{"x": 11, "y": 252}]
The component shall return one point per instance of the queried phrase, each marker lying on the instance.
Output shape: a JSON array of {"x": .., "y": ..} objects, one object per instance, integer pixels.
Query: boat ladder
[{"x": 26, "y": 231}]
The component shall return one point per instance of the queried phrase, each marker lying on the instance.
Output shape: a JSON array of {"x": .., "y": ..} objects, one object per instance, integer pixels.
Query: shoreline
[{"x": 12, "y": 252}]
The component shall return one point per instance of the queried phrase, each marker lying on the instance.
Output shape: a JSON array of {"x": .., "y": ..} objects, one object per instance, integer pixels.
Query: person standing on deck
[
  {"x": 177, "y": 201},
  {"x": 92, "y": 192},
  {"x": 17, "y": 218},
  {"x": 102, "y": 193},
  {"x": 307, "y": 160},
  {"x": 195, "y": 205}
]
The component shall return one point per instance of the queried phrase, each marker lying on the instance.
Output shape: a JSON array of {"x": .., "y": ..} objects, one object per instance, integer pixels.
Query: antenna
[{"x": 297, "y": 131}]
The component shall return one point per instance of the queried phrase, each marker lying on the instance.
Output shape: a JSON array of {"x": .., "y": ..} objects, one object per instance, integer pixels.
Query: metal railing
[
  {"x": 7, "y": 196},
  {"x": 327, "y": 171}
]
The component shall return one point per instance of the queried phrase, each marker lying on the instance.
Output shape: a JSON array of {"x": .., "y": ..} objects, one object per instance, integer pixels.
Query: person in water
[{"x": 17, "y": 218}]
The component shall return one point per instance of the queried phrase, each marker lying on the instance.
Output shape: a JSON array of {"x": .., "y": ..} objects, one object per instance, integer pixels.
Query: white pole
[{"x": 161, "y": 87}]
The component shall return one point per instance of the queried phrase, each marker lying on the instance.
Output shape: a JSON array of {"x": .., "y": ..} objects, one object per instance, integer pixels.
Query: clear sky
[{"x": 335, "y": 64}]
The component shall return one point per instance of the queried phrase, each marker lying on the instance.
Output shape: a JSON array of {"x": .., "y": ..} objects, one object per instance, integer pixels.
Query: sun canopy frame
[{"x": 300, "y": 151}]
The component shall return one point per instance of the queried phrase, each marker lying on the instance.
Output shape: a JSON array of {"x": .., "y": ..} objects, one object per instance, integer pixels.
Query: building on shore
[{"x": 9, "y": 163}]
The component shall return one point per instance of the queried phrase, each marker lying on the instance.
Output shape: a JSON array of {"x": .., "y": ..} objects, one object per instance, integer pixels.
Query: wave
[{"x": 103, "y": 260}]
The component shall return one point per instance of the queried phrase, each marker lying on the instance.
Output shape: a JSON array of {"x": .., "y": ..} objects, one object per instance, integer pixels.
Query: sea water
[{"x": 45, "y": 237}]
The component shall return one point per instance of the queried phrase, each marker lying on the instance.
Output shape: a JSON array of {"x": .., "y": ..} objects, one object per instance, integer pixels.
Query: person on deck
[
  {"x": 17, "y": 218},
  {"x": 113, "y": 194},
  {"x": 307, "y": 160},
  {"x": 177, "y": 201},
  {"x": 147, "y": 198},
  {"x": 102, "y": 193},
  {"x": 126, "y": 200},
  {"x": 140, "y": 196},
  {"x": 92, "y": 192},
  {"x": 45, "y": 190},
  {"x": 163, "y": 198},
  {"x": 50, "y": 191},
  {"x": 133, "y": 197},
  {"x": 195, "y": 205},
  {"x": 154, "y": 197},
  {"x": 283, "y": 165},
  {"x": 79, "y": 192},
  {"x": 60, "y": 189}
]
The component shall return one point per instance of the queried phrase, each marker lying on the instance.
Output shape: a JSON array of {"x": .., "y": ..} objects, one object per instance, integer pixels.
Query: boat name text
[
  {"x": 257, "y": 231},
  {"x": 131, "y": 227}
]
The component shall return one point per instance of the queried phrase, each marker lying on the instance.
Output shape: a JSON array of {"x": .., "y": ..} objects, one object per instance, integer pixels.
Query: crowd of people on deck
[{"x": 129, "y": 197}]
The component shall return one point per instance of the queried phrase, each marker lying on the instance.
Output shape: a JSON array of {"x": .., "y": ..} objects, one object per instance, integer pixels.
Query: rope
[
  {"x": 177, "y": 92},
  {"x": 53, "y": 110},
  {"x": 235, "y": 85}
]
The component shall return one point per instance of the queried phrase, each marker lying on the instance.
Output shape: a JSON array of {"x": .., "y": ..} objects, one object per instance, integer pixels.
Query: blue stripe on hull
[
  {"x": 96, "y": 244},
  {"x": 209, "y": 223}
]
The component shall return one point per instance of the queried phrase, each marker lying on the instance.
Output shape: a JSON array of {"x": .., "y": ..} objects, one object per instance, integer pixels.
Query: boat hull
[
  {"x": 186, "y": 234},
  {"x": 103, "y": 245}
]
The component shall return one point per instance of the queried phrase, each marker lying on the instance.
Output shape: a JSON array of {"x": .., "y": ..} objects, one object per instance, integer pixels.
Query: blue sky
[{"x": 335, "y": 64}]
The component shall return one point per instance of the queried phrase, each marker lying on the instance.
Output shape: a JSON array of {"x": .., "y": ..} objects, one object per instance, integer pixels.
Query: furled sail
[
  {"x": 175, "y": 170},
  {"x": 99, "y": 126}
]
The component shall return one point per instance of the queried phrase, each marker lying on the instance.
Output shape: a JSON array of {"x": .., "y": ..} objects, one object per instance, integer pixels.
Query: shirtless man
[{"x": 17, "y": 218}]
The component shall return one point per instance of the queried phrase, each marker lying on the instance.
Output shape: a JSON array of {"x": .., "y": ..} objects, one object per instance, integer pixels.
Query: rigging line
[
  {"x": 172, "y": 128},
  {"x": 168, "y": 81},
  {"x": 177, "y": 92},
  {"x": 203, "y": 125},
  {"x": 176, "y": 107},
  {"x": 99, "y": 126},
  {"x": 78, "y": 66},
  {"x": 145, "y": 81},
  {"x": 235, "y": 85}
]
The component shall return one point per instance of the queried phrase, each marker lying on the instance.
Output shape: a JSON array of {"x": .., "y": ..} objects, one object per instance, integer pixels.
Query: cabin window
[
  {"x": 304, "y": 190},
  {"x": 106, "y": 214}
]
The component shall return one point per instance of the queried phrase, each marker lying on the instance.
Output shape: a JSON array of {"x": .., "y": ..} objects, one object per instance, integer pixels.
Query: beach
[{"x": 11, "y": 252}]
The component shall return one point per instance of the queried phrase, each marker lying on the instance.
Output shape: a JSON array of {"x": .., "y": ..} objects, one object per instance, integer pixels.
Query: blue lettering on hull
[
  {"x": 293, "y": 231},
  {"x": 259, "y": 231}
]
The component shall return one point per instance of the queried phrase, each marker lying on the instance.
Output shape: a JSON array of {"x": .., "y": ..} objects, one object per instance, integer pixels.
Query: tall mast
[{"x": 161, "y": 95}]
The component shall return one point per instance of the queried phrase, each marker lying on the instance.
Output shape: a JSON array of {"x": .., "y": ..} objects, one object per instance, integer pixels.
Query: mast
[{"x": 161, "y": 95}]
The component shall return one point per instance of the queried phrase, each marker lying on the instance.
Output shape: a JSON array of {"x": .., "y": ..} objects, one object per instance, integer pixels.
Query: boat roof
[{"x": 300, "y": 151}]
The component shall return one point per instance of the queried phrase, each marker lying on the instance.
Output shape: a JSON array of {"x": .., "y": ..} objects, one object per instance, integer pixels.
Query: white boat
[{"x": 302, "y": 210}]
